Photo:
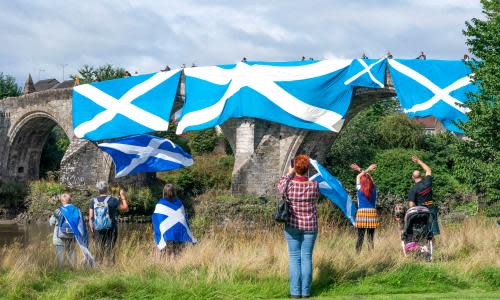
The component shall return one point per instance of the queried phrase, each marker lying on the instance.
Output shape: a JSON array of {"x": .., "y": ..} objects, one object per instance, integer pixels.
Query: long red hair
[{"x": 367, "y": 186}]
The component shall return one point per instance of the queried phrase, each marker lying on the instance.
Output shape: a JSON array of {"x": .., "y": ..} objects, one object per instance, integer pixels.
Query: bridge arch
[{"x": 27, "y": 138}]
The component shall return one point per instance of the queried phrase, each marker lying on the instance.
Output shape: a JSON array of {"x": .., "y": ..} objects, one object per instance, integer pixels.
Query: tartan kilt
[{"x": 367, "y": 218}]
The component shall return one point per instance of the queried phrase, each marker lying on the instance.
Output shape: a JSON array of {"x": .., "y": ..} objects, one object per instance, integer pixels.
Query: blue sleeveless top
[{"x": 363, "y": 202}]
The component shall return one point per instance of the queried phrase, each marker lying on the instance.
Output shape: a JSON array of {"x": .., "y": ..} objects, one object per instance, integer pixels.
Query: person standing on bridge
[
  {"x": 301, "y": 227},
  {"x": 366, "y": 215},
  {"x": 103, "y": 212}
]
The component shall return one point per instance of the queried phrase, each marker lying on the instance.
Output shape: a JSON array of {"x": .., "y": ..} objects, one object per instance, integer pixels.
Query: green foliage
[
  {"x": 203, "y": 141},
  {"x": 53, "y": 151},
  {"x": 87, "y": 74},
  {"x": 8, "y": 86},
  {"x": 43, "y": 198},
  {"x": 141, "y": 199},
  {"x": 12, "y": 194},
  {"x": 478, "y": 163},
  {"x": 397, "y": 130},
  {"x": 208, "y": 172}
]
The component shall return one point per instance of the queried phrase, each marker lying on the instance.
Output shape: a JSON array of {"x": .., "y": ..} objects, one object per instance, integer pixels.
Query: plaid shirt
[{"x": 302, "y": 196}]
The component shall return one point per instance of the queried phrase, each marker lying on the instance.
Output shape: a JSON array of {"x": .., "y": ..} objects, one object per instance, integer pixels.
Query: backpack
[
  {"x": 102, "y": 220},
  {"x": 64, "y": 230}
]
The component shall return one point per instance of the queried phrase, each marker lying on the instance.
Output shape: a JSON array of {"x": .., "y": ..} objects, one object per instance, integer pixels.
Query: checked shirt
[{"x": 302, "y": 196}]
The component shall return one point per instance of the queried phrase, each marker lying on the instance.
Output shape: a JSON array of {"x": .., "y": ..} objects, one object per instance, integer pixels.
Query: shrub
[
  {"x": 12, "y": 194},
  {"x": 203, "y": 141}
]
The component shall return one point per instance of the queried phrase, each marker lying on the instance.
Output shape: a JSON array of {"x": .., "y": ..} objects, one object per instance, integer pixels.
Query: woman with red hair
[
  {"x": 301, "y": 227},
  {"x": 366, "y": 215}
]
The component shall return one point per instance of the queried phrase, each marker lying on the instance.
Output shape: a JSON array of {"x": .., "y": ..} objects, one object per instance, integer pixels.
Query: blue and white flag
[
  {"x": 121, "y": 107},
  {"x": 145, "y": 153},
  {"x": 433, "y": 88},
  {"x": 75, "y": 220},
  {"x": 303, "y": 94},
  {"x": 367, "y": 73},
  {"x": 332, "y": 189},
  {"x": 170, "y": 224}
]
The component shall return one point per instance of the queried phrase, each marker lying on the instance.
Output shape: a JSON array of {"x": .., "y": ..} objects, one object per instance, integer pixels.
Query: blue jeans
[{"x": 300, "y": 249}]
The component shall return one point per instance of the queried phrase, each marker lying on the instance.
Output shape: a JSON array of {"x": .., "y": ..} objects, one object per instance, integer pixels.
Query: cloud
[{"x": 144, "y": 36}]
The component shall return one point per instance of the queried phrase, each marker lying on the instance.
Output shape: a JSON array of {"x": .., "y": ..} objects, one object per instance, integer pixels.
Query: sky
[{"x": 40, "y": 37}]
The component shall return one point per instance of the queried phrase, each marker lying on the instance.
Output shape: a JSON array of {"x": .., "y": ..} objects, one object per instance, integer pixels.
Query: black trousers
[
  {"x": 105, "y": 241},
  {"x": 361, "y": 237}
]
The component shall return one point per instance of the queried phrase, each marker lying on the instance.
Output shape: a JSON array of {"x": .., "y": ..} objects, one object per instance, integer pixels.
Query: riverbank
[{"x": 232, "y": 262}]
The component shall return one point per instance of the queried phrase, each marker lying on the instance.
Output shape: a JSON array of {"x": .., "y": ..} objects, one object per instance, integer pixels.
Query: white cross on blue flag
[
  {"x": 332, "y": 189},
  {"x": 121, "y": 107},
  {"x": 303, "y": 94},
  {"x": 367, "y": 73},
  {"x": 170, "y": 224},
  {"x": 433, "y": 88},
  {"x": 145, "y": 153}
]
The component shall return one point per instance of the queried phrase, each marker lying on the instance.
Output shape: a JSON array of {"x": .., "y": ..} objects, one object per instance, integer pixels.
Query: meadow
[{"x": 231, "y": 262}]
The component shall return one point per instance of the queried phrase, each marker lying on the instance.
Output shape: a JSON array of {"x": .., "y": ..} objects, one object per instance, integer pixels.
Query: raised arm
[
  {"x": 123, "y": 206},
  {"x": 427, "y": 169},
  {"x": 357, "y": 168}
]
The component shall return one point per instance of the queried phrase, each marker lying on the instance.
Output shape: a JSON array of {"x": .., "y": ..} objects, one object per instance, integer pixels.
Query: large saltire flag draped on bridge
[
  {"x": 145, "y": 153},
  {"x": 331, "y": 188},
  {"x": 122, "y": 107},
  {"x": 170, "y": 224},
  {"x": 433, "y": 88},
  {"x": 304, "y": 94}
]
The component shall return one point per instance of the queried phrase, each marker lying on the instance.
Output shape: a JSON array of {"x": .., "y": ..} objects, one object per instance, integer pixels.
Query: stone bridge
[{"x": 262, "y": 149}]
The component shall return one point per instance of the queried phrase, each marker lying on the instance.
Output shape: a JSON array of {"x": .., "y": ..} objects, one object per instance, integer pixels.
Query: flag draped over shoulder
[
  {"x": 75, "y": 220},
  {"x": 304, "y": 94},
  {"x": 331, "y": 188},
  {"x": 145, "y": 153},
  {"x": 170, "y": 224},
  {"x": 121, "y": 107},
  {"x": 433, "y": 88}
]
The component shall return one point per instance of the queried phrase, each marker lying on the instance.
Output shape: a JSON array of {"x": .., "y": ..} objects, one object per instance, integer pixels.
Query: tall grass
[{"x": 230, "y": 262}]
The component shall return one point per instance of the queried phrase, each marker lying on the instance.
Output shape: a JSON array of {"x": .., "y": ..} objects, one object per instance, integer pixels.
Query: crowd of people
[{"x": 301, "y": 226}]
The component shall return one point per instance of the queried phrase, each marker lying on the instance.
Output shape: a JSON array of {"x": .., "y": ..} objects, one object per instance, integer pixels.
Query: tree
[
  {"x": 8, "y": 86},
  {"x": 87, "y": 73},
  {"x": 477, "y": 162}
]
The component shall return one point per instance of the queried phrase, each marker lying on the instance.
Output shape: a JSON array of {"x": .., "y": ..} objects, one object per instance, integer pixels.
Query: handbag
[{"x": 283, "y": 209}]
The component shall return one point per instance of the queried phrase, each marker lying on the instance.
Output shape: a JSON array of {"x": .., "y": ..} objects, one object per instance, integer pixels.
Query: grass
[{"x": 230, "y": 262}]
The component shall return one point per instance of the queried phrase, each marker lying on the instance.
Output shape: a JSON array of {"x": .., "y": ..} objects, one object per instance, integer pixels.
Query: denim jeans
[
  {"x": 67, "y": 249},
  {"x": 300, "y": 249}
]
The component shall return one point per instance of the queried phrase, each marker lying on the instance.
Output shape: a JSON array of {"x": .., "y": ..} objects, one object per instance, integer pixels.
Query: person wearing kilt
[{"x": 366, "y": 215}]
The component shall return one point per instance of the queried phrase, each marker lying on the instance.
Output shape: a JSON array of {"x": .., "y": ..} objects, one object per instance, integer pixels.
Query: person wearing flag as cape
[
  {"x": 69, "y": 229},
  {"x": 366, "y": 215},
  {"x": 170, "y": 225}
]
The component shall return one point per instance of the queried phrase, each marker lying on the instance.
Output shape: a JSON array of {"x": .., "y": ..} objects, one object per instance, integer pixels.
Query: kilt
[{"x": 367, "y": 218}]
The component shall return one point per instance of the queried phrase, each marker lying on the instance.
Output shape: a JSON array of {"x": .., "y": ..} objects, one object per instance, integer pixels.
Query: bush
[
  {"x": 12, "y": 194},
  {"x": 141, "y": 199},
  {"x": 208, "y": 172},
  {"x": 43, "y": 198},
  {"x": 203, "y": 141}
]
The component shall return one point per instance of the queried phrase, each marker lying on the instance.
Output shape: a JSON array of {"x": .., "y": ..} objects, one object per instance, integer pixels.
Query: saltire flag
[
  {"x": 433, "y": 88},
  {"x": 170, "y": 224},
  {"x": 75, "y": 220},
  {"x": 303, "y": 94},
  {"x": 126, "y": 106},
  {"x": 331, "y": 188},
  {"x": 367, "y": 73},
  {"x": 145, "y": 153}
]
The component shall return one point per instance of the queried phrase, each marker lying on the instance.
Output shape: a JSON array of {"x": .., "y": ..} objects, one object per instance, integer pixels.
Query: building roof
[
  {"x": 65, "y": 84},
  {"x": 45, "y": 84},
  {"x": 427, "y": 122}
]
